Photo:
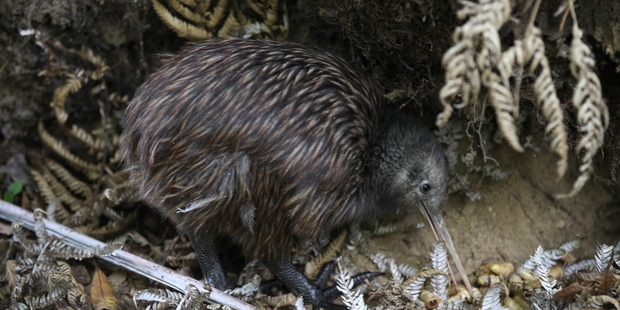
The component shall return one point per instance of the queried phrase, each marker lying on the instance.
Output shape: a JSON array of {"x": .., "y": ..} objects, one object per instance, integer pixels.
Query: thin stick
[
  {"x": 163, "y": 275},
  {"x": 530, "y": 24}
]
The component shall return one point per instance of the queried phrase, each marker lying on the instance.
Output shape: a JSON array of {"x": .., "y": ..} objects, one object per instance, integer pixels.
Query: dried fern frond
[
  {"x": 185, "y": 11},
  {"x": 601, "y": 300},
  {"x": 19, "y": 235},
  {"x": 164, "y": 296},
  {"x": 183, "y": 29},
  {"x": 110, "y": 228},
  {"x": 87, "y": 55},
  {"x": 476, "y": 60},
  {"x": 357, "y": 239},
  {"x": 384, "y": 229},
  {"x": 178, "y": 261},
  {"x": 193, "y": 298},
  {"x": 76, "y": 290},
  {"x": 592, "y": 112},
  {"x": 491, "y": 300},
  {"x": 214, "y": 17},
  {"x": 75, "y": 185},
  {"x": 313, "y": 267},
  {"x": 604, "y": 255},
  {"x": 571, "y": 245},
  {"x": 60, "y": 249},
  {"x": 547, "y": 258},
  {"x": 204, "y": 20},
  {"x": 354, "y": 299},
  {"x": 299, "y": 303},
  {"x": 71, "y": 85},
  {"x": 588, "y": 265},
  {"x": 504, "y": 107},
  {"x": 461, "y": 62},
  {"x": 414, "y": 285},
  {"x": 546, "y": 97},
  {"x": 39, "y": 228},
  {"x": 542, "y": 271},
  {"x": 90, "y": 56},
  {"x": 247, "y": 290},
  {"x": 5, "y": 292},
  {"x": 58, "y": 213},
  {"x": 90, "y": 171},
  {"x": 439, "y": 260},
  {"x": 86, "y": 138},
  {"x": 61, "y": 192},
  {"x": 397, "y": 277},
  {"x": 44, "y": 299},
  {"x": 380, "y": 260},
  {"x": 231, "y": 27}
]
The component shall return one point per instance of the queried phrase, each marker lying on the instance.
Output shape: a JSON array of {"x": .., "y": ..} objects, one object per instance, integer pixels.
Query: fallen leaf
[{"x": 101, "y": 292}]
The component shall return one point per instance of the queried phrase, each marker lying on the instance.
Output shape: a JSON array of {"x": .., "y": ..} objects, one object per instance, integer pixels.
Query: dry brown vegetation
[{"x": 501, "y": 69}]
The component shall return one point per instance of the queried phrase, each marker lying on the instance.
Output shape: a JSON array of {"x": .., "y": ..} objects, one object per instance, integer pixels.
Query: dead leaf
[
  {"x": 101, "y": 292},
  {"x": 568, "y": 293}
]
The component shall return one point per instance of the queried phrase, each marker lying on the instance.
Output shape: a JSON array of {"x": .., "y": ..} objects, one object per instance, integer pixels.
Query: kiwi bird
[{"x": 269, "y": 144}]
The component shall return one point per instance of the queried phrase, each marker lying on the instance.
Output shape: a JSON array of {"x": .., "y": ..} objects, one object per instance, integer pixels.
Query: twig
[
  {"x": 530, "y": 23},
  {"x": 163, "y": 275}
]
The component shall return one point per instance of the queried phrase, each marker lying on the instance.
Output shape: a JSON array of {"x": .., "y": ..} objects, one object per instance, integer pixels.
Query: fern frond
[
  {"x": 414, "y": 285},
  {"x": 354, "y": 299},
  {"x": 491, "y": 300},
  {"x": 439, "y": 259},
  {"x": 462, "y": 62},
  {"x": 546, "y": 97},
  {"x": 90, "y": 171},
  {"x": 74, "y": 184},
  {"x": 71, "y": 85},
  {"x": 183, "y": 29},
  {"x": 603, "y": 257},
  {"x": 313, "y": 267},
  {"x": 592, "y": 115}
]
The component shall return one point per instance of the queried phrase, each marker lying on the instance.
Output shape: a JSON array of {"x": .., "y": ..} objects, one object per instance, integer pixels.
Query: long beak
[{"x": 440, "y": 231}]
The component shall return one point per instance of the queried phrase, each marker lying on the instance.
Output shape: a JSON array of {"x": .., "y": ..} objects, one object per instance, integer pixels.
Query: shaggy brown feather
[{"x": 265, "y": 142}]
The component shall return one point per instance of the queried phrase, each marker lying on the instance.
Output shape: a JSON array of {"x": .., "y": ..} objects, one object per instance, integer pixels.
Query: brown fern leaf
[
  {"x": 587, "y": 277},
  {"x": 462, "y": 62},
  {"x": 503, "y": 104},
  {"x": 44, "y": 188},
  {"x": 61, "y": 192},
  {"x": 568, "y": 293},
  {"x": 184, "y": 11},
  {"x": 61, "y": 93},
  {"x": 76, "y": 186},
  {"x": 605, "y": 280},
  {"x": 312, "y": 268},
  {"x": 546, "y": 97},
  {"x": 231, "y": 26},
  {"x": 91, "y": 171},
  {"x": 214, "y": 17},
  {"x": 592, "y": 115},
  {"x": 183, "y": 29},
  {"x": 85, "y": 137}
]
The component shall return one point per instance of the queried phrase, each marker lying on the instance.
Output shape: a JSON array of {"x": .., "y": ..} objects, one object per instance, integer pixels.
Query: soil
[{"x": 511, "y": 218}]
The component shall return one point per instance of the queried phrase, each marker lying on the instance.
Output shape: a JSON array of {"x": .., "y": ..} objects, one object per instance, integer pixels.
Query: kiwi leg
[
  {"x": 299, "y": 284},
  {"x": 212, "y": 270}
]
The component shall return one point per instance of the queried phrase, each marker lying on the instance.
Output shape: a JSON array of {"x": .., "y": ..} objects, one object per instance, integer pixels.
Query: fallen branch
[{"x": 12, "y": 213}]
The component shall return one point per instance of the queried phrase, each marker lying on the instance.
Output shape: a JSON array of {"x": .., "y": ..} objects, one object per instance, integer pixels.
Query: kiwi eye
[{"x": 426, "y": 186}]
